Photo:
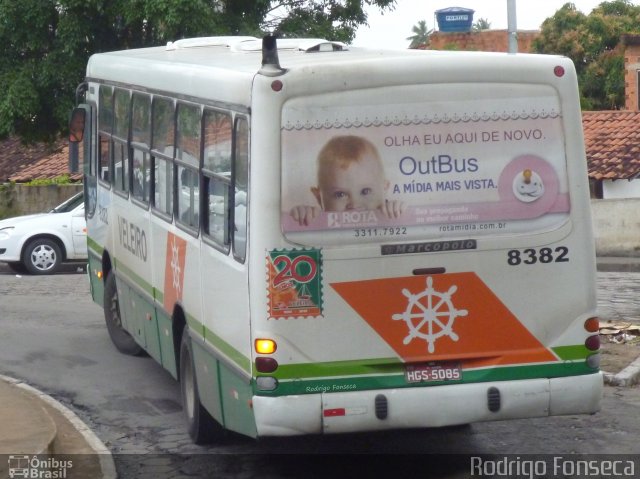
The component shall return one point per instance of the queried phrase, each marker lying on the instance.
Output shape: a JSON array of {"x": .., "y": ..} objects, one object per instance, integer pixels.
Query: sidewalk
[{"x": 33, "y": 423}]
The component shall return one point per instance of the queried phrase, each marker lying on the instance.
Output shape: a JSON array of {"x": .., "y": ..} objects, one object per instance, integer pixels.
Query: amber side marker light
[
  {"x": 265, "y": 346},
  {"x": 99, "y": 274}
]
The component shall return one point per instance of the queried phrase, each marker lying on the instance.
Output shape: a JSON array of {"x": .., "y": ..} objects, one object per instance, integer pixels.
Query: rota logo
[
  {"x": 443, "y": 317},
  {"x": 351, "y": 217}
]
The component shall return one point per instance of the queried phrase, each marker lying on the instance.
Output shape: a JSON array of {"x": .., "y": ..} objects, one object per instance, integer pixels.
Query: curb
[
  {"x": 107, "y": 464},
  {"x": 626, "y": 378}
]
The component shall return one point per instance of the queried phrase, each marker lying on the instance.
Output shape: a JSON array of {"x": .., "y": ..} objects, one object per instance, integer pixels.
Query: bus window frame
[
  {"x": 232, "y": 221},
  {"x": 169, "y": 159},
  {"x": 211, "y": 176},
  {"x": 145, "y": 150},
  {"x": 186, "y": 165},
  {"x": 104, "y": 135},
  {"x": 124, "y": 144}
]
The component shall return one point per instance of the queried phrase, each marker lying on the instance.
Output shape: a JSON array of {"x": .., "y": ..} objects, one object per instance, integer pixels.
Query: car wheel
[
  {"x": 42, "y": 256},
  {"x": 202, "y": 428},
  {"x": 119, "y": 336}
]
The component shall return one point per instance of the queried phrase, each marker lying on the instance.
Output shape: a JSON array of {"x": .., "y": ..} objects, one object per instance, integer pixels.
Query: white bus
[{"x": 314, "y": 238}]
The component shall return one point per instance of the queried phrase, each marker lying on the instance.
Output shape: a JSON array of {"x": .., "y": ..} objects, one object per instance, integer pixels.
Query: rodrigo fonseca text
[{"x": 538, "y": 467}]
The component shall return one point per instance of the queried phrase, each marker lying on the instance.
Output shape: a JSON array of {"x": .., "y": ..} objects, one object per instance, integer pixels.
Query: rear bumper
[{"x": 426, "y": 406}]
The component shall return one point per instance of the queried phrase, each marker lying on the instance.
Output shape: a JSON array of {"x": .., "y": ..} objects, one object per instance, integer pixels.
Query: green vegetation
[
  {"x": 481, "y": 24},
  {"x": 58, "y": 180},
  {"x": 47, "y": 42},
  {"x": 420, "y": 37},
  {"x": 7, "y": 201},
  {"x": 593, "y": 42}
]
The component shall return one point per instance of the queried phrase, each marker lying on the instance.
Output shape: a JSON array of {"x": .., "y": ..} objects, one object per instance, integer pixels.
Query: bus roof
[{"x": 227, "y": 65}]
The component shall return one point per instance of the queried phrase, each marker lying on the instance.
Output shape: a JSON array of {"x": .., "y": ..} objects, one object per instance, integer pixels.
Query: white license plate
[{"x": 433, "y": 372}]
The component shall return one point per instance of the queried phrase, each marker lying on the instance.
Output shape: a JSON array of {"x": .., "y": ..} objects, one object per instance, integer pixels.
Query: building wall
[
  {"x": 619, "y": 189},
  {"x": 487, "y": 41},
  {"x": 616, "y": 225},
  {"x": 17, "y": 200}
]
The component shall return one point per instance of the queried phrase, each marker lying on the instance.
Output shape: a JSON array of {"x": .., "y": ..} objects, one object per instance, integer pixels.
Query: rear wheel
[
  {"x": 42, "y": 256},
  {"x": 202, "y": 427},
  {"x": 119, "y": 336}
]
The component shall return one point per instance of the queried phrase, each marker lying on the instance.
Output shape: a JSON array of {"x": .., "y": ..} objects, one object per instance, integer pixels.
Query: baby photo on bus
[{"x": 350, "y": 176}]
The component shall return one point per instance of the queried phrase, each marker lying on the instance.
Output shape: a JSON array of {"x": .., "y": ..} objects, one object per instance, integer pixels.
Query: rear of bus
[{"x": 428, "y": 253}]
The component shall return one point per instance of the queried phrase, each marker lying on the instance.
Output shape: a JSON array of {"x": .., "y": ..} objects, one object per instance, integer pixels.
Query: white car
[{"x": 39, "y": 244}]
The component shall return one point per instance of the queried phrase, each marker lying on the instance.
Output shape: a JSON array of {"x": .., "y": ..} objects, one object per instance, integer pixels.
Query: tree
[
  {"x": 593, "y": 43},
  {"x": 481, "y": 24},
  {"x": 46, "y": 43},
  {"x": 420, "y": 37}
]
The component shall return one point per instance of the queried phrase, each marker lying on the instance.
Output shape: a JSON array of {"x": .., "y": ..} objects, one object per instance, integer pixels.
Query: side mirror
[{"x": 76, "y": 125}]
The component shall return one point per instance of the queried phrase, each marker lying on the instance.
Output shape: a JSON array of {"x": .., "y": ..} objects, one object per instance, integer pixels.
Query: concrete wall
[
  {"x": 616, "y": 225},
  {"x": 620, "y": 189},
  {"x": 16, "y": 200}
]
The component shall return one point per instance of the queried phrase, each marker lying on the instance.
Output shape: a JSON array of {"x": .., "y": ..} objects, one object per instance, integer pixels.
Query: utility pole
[{"x": 513, "y": 27}]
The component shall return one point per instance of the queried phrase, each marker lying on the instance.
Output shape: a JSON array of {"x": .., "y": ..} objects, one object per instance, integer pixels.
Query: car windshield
[{"x": 70, "y": 204}]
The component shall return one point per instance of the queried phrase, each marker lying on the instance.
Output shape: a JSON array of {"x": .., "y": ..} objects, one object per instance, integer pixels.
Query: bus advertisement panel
[{"x": 427, "y": 166}]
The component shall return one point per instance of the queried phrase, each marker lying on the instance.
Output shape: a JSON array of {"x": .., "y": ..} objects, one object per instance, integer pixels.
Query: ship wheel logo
[{"x": 430, "y": 315}]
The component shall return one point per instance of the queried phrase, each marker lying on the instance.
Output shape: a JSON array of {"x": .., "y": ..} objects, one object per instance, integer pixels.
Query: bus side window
[
  {"x": 218, "y": 132},
  {"x": 162, "y": 150},
  {"x": 241, "y": 188},
  {"x": 120, "y": 140},
  {"x": 105, "y": 157},
  {"x": 105, "y": 129},
  {"x": 217, "y": 142},
  {"x": 217, "y": 220},
  {"x": 140, "y": 144},
  {"x": 188, "y": 198},
  {"x": 188, "y": 135}
]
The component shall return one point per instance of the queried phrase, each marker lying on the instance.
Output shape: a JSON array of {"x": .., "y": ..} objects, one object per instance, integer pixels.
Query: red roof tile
[
  {"x": 22, "y": 163},
  {"x": 612, "y": 142}
]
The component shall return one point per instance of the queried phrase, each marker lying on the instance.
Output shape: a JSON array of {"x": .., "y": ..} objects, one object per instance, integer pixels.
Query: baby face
[{"x": 360, "y": 186}]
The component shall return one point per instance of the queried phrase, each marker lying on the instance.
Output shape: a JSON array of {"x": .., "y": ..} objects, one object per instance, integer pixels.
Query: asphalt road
[{"x": 54, "y": 337}]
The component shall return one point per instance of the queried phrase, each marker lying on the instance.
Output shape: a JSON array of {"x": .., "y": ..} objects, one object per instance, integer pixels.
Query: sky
[{"x": 391, "y": 29}]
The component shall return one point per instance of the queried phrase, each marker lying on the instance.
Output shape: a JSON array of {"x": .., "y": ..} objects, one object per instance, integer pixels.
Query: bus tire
[
  {"x": 122, "y": 340},
  {"x": 202, "y": 428}
]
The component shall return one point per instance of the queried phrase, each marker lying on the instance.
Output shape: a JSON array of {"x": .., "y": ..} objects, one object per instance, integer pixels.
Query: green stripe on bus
[
  {"x": 229, "y": 351},
  {"x": 134, "y": 277},
  {"x": 572, "y": 353},
  {"x": 340, "y": 384},
  {"x": 382, "y": 365},
  {"x": 339, "y": 368},
  {"x": 92, "y": 244}
]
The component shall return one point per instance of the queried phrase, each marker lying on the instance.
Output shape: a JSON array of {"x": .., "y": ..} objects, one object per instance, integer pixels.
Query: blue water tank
[{"x": 455, "y": 19}]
